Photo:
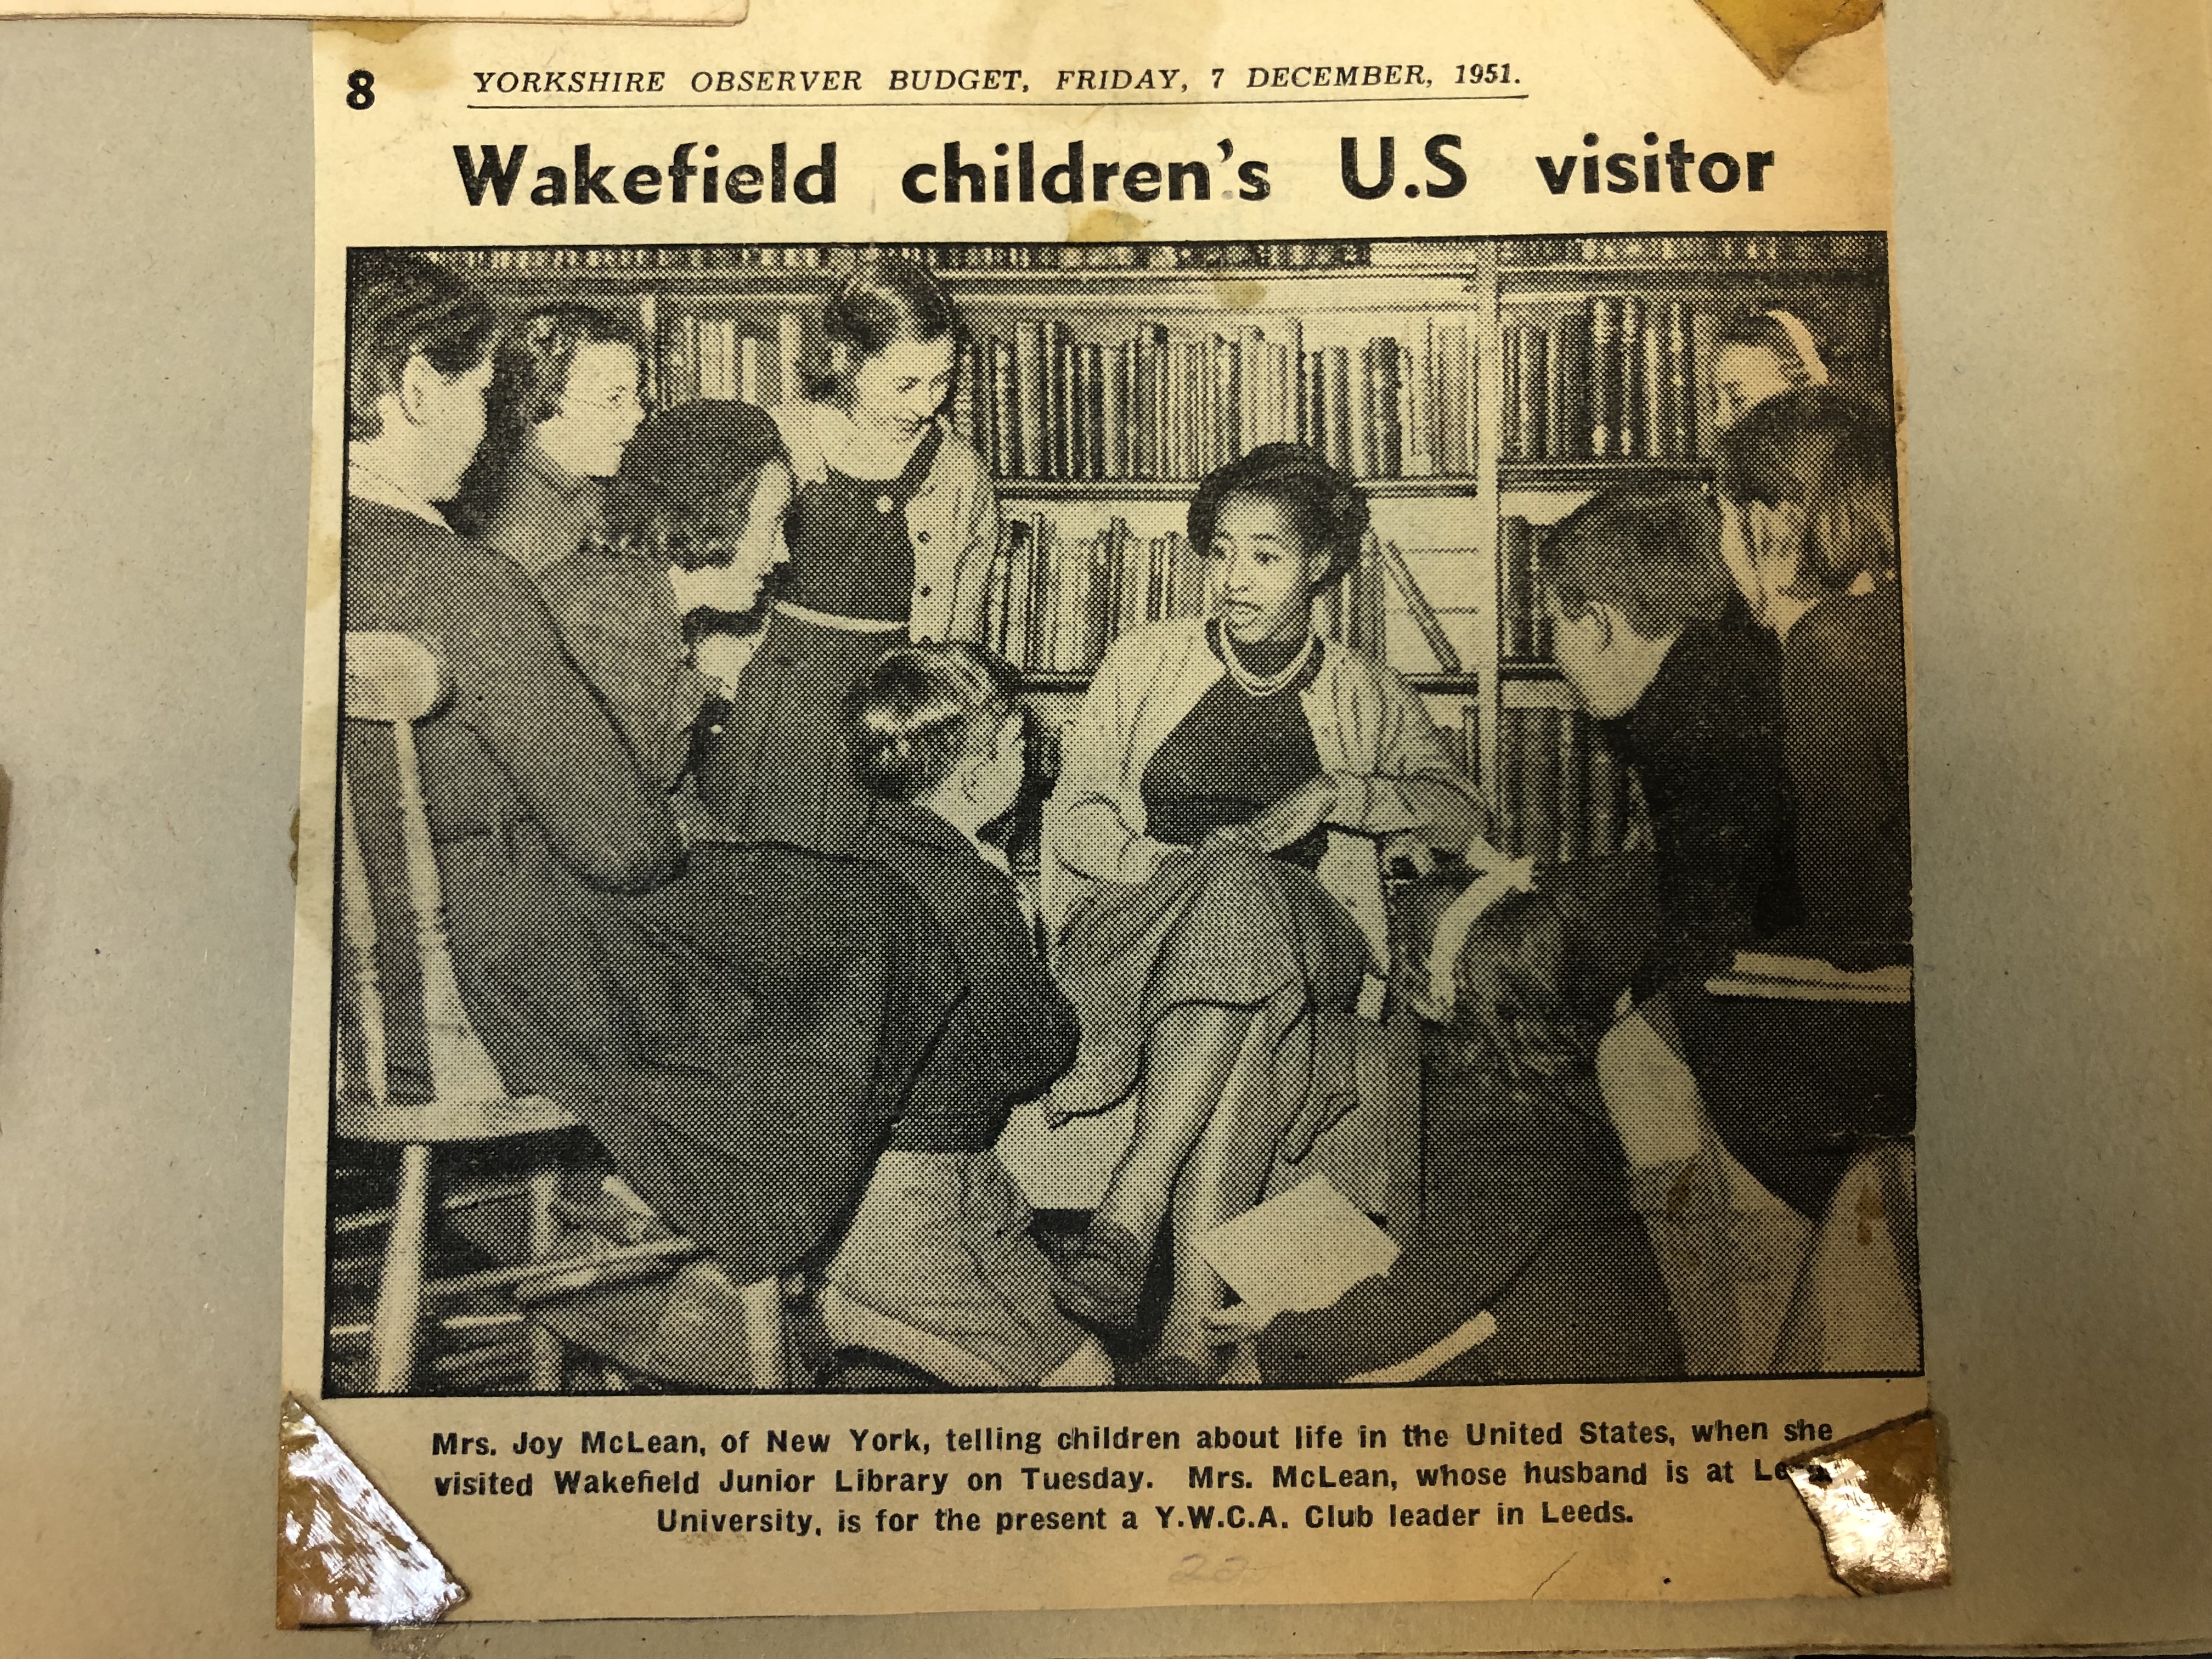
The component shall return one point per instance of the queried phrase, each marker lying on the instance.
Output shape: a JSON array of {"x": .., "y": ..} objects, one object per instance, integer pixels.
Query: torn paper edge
[
  {"x": 1878, "y": 1499},
  {"x": 344, "y": 1555}
]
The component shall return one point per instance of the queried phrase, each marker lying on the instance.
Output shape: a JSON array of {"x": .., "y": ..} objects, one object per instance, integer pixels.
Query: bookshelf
[{"x": 1480, "y": 388}]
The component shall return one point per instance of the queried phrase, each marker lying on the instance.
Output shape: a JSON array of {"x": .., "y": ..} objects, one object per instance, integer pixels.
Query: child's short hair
[
  {"x": 1513, "y": 1016},
  {"x": 921, "y": 710},
  {"x": 1833, "y": 456},
  {"x": 1655, "y": 558},
  {"x": 682, "y": 460}
]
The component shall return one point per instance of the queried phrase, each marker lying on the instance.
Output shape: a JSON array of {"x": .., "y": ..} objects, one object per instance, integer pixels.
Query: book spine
[
  {"x": 1093, "y": 420},
  {"x": 1656, "y": 432},
  {"x": 1570, "y": 424},
  {"x": 1682, "y": 382},
  {"x": 1629, "y": 439},
  {"x": 1030, "y": 395},
  {"x": 1530, "y": 388},
  {"x": 1339, "y": 409},
  {"x": 1420, "y": 404},
  {"x": 1389, "y": 415},
  {"x": 1605, "y": 374},
  {"x": 1512, "y": 768},
  {"x": 1542, "y": 782},
  {"x": 1509, "y": 355},
  {"x": 1517, "y": 638},
  {"x": 1060, "y": 369},
  {"x": 1540, "y": 614}
]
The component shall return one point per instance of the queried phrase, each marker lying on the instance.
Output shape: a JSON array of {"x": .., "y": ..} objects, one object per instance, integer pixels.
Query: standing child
[
  {"x": 937, "y": 1280},
  {"x": 892, "y": 534}
]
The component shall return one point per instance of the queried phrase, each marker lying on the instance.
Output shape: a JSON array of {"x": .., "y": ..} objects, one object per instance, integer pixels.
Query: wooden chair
[{"x": 634, "y": 1293}]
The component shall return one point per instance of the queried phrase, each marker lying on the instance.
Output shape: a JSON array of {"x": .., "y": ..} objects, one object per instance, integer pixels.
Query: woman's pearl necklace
[{"x": 1262, "y": 685}]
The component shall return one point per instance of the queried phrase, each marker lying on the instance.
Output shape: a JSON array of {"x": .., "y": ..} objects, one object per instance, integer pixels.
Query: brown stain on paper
[
  {"x": 1105, "y": 224},
  {"x": 345, "y": 1556},
  {"x": 1878, "y": 1500},
  {"x": 1775, "y": 33}
]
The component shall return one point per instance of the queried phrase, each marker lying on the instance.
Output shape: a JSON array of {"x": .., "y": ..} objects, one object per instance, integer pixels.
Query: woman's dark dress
[
  {"x": 779, "y": 772},
  {"x": 738, "y": 1030}
]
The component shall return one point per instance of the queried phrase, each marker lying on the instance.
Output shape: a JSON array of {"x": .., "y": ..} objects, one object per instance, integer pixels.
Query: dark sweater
[
  {"x": 522, "y": 747},
  {"x": 1012, "y": 1033},
  {"x": 1706, "y": 741},
  {"x": 1843, "y": 689},
  {"x": 1234, "y": 756}
]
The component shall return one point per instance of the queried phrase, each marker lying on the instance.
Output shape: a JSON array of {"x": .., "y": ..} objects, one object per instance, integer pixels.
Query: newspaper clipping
[{"x": 1102, "y": 807}]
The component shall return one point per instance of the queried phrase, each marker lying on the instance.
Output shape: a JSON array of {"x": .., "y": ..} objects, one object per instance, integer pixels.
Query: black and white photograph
[{"x": 985, "y": 817}]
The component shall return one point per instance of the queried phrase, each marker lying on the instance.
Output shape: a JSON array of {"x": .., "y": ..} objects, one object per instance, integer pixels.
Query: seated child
[
  {"x": 1636, "y": 587},
  {"x": 938, "y": 1281},
  {"x": 1742, "y": 1115},
  {"x": 1525, "y": 1215}
]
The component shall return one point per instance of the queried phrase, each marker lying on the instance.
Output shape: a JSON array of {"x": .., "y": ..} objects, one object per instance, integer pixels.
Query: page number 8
[{"x": 361, "y": 89}]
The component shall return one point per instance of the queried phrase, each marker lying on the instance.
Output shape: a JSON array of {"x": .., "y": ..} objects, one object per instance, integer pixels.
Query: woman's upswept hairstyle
[
  {"x": 1833, "y": 456},
  {"x": 1329, "y": 510},
  {"x": 886, "y": 299},
  {"x": 921, "y": 710},
  {"x": 400, "y": 306},
  {"x": 529, "y": 377}
]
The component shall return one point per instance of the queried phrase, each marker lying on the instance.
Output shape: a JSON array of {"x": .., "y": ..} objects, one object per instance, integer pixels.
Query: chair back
[{"x": 395, "y": 681}]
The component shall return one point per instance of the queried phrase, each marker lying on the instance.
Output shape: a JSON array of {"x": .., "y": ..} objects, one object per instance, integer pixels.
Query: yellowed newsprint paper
[
  {"x": 396, "y": 16},
  {"x": 1101, "y": 808}
]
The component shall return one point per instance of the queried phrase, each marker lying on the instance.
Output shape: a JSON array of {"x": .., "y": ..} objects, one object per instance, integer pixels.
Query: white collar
[{"x": 371, "y": 485}]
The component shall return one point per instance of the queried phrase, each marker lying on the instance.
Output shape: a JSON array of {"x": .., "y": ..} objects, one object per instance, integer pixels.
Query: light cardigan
[
  {"x": 1368, "y": 728},
  {"x": 953, "y": 522}
]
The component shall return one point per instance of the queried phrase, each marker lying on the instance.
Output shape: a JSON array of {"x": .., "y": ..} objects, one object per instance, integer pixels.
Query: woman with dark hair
[
  {"x": 892, "y": 532},
  {"x": 1213, "y": 872}
]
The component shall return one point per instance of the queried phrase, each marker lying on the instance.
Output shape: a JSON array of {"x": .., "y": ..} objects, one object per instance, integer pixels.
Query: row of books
[
  {"x": 1561, "y": 792},
  {"x": 1158, "y": 405},
  {"x": 1138, "y": 255},
  {"x": 1614, "y": 379},
  {"x": 706, "y": 355},
  {"x": 1797, "y": 248},
  {"x": 1524, "y": 622},
  {"x": 1056, "y": 602}
]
